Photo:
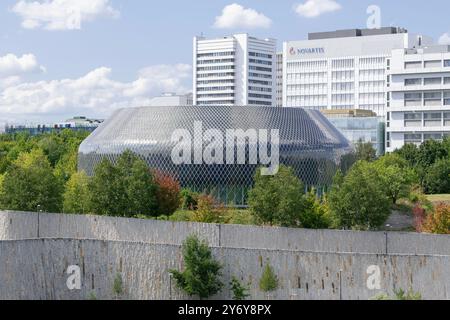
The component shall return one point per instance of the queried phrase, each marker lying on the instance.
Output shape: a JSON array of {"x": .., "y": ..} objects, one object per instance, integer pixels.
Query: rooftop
[{"x": 348, "y": 33}]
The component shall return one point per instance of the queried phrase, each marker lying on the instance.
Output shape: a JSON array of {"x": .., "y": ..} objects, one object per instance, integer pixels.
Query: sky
[{"x": 64, "y": 58}]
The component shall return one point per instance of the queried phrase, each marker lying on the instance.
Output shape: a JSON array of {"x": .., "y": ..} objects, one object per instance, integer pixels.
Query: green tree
[
  {"x": 396, "y": 175},
  {"x": 202, "y": 272},
  {"x": 240, "y": 292},
  {"x": 365, "y": 151},
  {"x": 359, "y": 199},
  {"x": 268, "y": 281},
  {"x": 437, "y": 178},
  {"x": 77, "y": 194},
  {"x": 29, "y": 184},
  {"x": 410, "y": 153},
  {"x": 277, "y": 199},
  {"x": 315, "y": 213}
]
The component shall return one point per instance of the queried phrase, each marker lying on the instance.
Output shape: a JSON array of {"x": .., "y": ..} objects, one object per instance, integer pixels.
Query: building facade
[
  {"x": 345, "y": 69},
  {"x": 79, "y": 123},
  {"x": 171, "y": 99},
  {"x": 234, "y": 70},
  {"x": 308, "y": 143},
  {"x": 359, "y": 126},
  {"x": 279, "y": 79},
  {"x": 419, "y": 96}
]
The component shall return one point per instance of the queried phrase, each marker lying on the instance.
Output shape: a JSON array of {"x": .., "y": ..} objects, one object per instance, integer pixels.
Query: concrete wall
[{"x": 310, "y": 264}]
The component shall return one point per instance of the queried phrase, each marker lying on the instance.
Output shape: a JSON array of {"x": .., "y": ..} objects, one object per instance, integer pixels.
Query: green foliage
[
  {"x": 118, "y": 285},
  {"x": 126, "y": 189},
  {"x": 30, "y": 184},
  {"x": 208, "y": 210},
  {"x": 240, "y": 292},
  {"x": 365, "y": 151},
  {"x": 202, "y": 272},
  {"x": 268, "y": 281},
  {"x": 240, "y": 217},
  {"x": 396, "y": 176},
  {"x": 359, "y": 199},
  {"x": 189, "y": 199},
  {"x": 92, "y": 296},
  {"x": 400, "y": 295},
  {"x": 437, "y": 179},
  {"x": 277, "y": 199},
  {"x": 77, "y": 194},
  {"x": 315, "y": 214}
]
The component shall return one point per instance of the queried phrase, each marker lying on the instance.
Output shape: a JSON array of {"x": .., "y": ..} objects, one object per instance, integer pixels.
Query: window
[
  {"x": 413, "y": 64},
  {"x": 415, "y": 138},
  {"x": 446, "y": 63},
  {"x": 432, "y": 98},
  {"x": 447, "y": 80},
  {"x": 432, "y": 119},
  {"x": 413, "y": 119},
  {"x": 446, "y": 98},
  {"x": 413, "y": 82},
  {"x": 433, "y": 64},
  {"x": 432, "y": 81},
  {"x": 432, "y": 136},
  {"x": 413, "y": 99},
  {"x": 447, "y": 119}
]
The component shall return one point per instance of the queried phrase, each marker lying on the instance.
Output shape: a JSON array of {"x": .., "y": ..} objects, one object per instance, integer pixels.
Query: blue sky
[{"x": 126, "y": 51}]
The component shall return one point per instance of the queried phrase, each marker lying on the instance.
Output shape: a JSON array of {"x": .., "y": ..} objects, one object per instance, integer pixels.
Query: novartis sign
[{"x": 302, "y": 51}]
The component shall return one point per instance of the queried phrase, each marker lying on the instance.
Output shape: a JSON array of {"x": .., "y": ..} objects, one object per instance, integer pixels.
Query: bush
[
  {"x": 315, "y": 214},
  {"x": 239, "y": 291},
  {"x": 277, "y": 199},
  {"x": 268, "y": 281},
  {"x": 438, "y": 221},
  {"x": 77, "y": 195},
  {"x": 437, "y": 178},
  {"x": 189, "y": 199},
  {"x": 241, "y": 217},
  {"x": 202, "y": 272},
  {"x": 167, "y": 193},
  {"x": 359, "y": 200},
  {"x": 208, "y": 210}
]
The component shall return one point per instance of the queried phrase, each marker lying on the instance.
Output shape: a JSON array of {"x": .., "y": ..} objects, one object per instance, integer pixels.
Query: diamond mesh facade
[{"x": 308, "y": 142}]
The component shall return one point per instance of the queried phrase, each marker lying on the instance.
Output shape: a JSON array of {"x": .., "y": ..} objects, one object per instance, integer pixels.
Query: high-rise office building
[
  {"x": 279, "y": 79},
  {"x": 419, "y": 96},
  {"x": 234, "y": 70},
  {"x": 344, "y": 69}
]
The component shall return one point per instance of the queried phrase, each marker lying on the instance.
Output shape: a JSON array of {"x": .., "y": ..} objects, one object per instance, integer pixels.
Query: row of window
[
  {"x": 216, "y": 88},
  {"x": 260, "y": 89},
  {"x": 259, "y": 103},
  {"x": 267, "y": 63},
  {"x": 210, "y": 68},
  {"x": 216, "y": 75},
  {"x": 261, "y": 82},
  {"x": 216, "y": 95},
  {"x": 216, "y": 54},
  {"x": 427, "y": 119},
  {"x": 260, "y": 68},
  {"x": 427, "y": 64},
  {"x": 259, "y": 75},
  {"x": 216, "y": 102},
  {"x": 427, "y": 98},
  {"x": 427, "y": 81},
  {"x": 224, "y": 81},
  {"x": 343, "y": 64},
  {"x": 419, "y": 138},
  {"x": 215, "y": 61},
  {"x": 260, "y": 55},
  {"x": 261, "y": 96}
]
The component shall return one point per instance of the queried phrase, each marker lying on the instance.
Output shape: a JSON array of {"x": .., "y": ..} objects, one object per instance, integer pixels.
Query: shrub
[
  {"x": 437, "y": 178},
  {"x": 77, "y": 194},
  {"x": 315, "y": 214},
  {"x": 189, "y": 199},
  {"x": 438, "y": 221},
  {"x": 167, "y": 193},
  {"x": 268, "y": 281},
  {"x": 202, "y": 272},
  {"x": 239, "y": 291},
  {"x": 277, "y": 199},
  {"x": 241, "y": 217},
  {"x": 419, "y": 215},
  {"x": 208, "y": 210}
]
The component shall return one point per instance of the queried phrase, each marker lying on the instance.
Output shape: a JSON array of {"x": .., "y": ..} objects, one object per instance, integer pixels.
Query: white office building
[
  {"x": 171, "y": 99},
  {"x": 279, "y": 79},
  {"x": 234, "y": 70},
  {"x": 419, "y": 96},
  {"x": 344, "y": 69}
]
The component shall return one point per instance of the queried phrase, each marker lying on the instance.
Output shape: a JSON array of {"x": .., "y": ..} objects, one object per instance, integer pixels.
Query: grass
[{"x": 439, "y": 198}]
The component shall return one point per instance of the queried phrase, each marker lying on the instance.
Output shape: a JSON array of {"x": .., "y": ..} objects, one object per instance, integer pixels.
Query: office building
[
  {"x": 279, "y": 79},
  {"x": 344, "y": 69},
  {"x": 419, "y": 96},
  {"x": 234, "y": 70},
  {"x": 307, "y": 142},
  {"x": 171, "y": 99},
  {"x": 359, "y": 125},
  {"x": 79, "y": 123}
]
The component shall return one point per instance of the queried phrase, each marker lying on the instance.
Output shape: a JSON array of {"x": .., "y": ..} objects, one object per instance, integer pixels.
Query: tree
[
  {"x": 315, "y": 214},
  {"x": 268, "y": 281},
  {"x": 208, "y": 210},
  {"x": 202, "y": 272},
  {"x": 277, "y": 199},
  {"x": 397, "y": 176},
  {"x": 126, "y": 189},
  {"x": 438, "y": 221},
  {"x": 77, "y": 194},
  {"x": 167, "y": 193},
  {"x": 359, "y": 199},
  {"x": 437, "y": 178},
  {"x": 239, "y": 291},
  {"x": 189, "y": 199},
  {"x": 29, "y": 184},
  {"x": 410, "y": 153},
  {"x": 365, "y": 151}
]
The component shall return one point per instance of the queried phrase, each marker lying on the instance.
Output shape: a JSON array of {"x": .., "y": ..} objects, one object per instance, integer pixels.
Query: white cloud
[
  {"x": 62, "y": 14},
  {"x": 95, "y": 93},
  {"x": 314, "y": 8},
  {"x": 444, "y": 39},
  {"x": 236, "y": 16},
  {"x": 12, "y": 65}
]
